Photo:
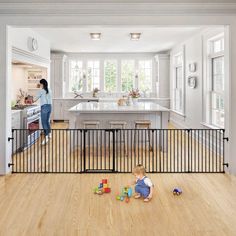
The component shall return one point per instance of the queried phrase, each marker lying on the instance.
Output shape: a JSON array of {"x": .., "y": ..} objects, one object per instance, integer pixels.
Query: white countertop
[
  {"x": 79, "y": 99},
  {"x": 104, "y": 107},
  {"x": 111, "y": 99},
  {"x": 15, "y": 111}
]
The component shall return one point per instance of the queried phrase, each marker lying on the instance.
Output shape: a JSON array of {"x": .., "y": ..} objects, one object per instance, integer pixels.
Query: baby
[{"x": 143, "y": 185}]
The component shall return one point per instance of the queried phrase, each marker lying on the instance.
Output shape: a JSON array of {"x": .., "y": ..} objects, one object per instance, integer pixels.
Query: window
[
  {"x": 93, "y": 74},
  {"x": 110, "y": 76},
  {"x": 127, "y": 75},
  {"x": 178, "y": 83},
  {"x": 145, "y": 76},
  {"x": 218, "y": 45},
  {"x": 75, "y": 76},
  {"x": 217, "y": 83}
]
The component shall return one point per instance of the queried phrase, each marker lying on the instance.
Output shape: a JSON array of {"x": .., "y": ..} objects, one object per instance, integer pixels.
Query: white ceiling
[
  {"x": 116, "y": 39},
  {"x": 118, "y": 1}
]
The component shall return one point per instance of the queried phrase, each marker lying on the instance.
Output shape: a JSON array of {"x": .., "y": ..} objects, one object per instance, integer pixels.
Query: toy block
[
  {"x": 105, "y": 185},
  {"x": 104, "y": 181},
  {"x": 107, "y": 190},
  {"x": 101, "y": 185}
]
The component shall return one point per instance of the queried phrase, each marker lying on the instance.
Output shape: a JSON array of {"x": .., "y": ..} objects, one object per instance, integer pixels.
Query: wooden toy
[
  {"x": 177, "y": 191},
  {"x": 103, "y": 187},
  {"x": 126, "y": 194}
]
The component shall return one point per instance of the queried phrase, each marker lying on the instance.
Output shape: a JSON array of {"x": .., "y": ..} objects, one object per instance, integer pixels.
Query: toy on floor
[
  {"x": 125, "y": 195},
  {"x": 177, "y": 191},
  {"x": 103, "y": 187}
]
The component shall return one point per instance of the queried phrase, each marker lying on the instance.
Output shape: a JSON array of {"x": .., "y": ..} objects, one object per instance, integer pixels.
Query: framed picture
[
  {"x": 192, "y": 67},
  {"x": 192, "y": 81}
]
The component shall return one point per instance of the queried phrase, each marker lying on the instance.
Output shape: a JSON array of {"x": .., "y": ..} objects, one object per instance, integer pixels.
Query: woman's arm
[{"x": 36, "y": 98}]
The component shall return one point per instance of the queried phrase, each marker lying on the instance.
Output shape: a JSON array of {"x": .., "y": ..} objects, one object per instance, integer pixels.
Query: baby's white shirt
[{"x": 147, "y": 181}]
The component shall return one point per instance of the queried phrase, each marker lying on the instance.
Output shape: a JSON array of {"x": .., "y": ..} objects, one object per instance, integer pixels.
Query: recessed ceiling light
[
  {"x": 95, "y": 36},
  {"x": 135, "y": 36}
]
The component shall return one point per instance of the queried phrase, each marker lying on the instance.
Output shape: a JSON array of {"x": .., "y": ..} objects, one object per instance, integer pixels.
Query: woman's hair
[
  {"x": 45, "y": 84},
  {"x": 139, "y": 169}
]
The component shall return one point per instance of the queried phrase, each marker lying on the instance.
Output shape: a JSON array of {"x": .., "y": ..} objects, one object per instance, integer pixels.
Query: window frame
[
  {"x": 175, "y": 67},
  {"x": 104, "y": 81},
  {"x": 211, "y": 92},
  {"x": 99, "y": 74},
  {"x": 151, "y": 74},
  {"x": 122, "y": 60},
  {"x": 69, "y": 73}
]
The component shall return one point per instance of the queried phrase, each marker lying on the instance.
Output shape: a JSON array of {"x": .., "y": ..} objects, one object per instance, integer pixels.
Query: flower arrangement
[{"x": 134, "y": 93}]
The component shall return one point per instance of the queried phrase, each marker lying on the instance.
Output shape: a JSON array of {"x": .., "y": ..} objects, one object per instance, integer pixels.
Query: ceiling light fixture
[
  {"x": 95, "y": 36},
  {"x": 135, "y": 36}
]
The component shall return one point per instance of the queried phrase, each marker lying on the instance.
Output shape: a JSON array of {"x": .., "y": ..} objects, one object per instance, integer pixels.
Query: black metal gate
[{"x": 118, "y": 150}]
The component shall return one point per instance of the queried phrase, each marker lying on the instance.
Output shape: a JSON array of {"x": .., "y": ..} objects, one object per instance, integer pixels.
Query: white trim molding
[
  {"x": 28, "y": 57},
  {"x": 118, "y": 9}
]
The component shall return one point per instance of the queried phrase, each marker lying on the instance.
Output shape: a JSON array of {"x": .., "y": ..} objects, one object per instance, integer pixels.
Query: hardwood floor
[{"x": 63, "y": 204}]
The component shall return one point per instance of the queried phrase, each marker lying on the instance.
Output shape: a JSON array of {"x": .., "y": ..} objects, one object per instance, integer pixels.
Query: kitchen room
[
  {"x": 106, "y": 68},
  {"x": 191, "y": 163}
]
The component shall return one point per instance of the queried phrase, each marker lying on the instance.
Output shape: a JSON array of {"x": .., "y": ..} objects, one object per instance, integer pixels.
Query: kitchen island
[{"x": 105, "y": 112}]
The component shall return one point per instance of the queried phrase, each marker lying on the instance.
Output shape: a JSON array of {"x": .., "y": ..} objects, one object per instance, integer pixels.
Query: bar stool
[
  {"x": 91, "y": 124},
  {"x": 143, "y": 124},
  {"x": 119, "y": 125}
]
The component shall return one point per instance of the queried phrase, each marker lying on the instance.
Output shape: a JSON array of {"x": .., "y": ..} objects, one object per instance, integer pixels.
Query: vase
[{"x": 135, "y": 101}]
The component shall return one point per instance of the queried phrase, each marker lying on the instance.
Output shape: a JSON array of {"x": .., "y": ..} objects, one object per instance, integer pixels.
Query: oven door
[{"x": 32, "y": 124}]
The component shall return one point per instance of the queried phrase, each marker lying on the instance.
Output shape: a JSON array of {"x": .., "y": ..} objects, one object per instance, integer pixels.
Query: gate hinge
[
  {"x": 226, "y": 164},
  {"x": 226, "y": 138},
  {"x": 9, "y": 139},
  {"x": 10, "y": 164}
]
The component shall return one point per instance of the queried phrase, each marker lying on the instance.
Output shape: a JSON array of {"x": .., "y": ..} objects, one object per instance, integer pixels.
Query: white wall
[
  {"x": 194, "y": 101},
  {"x": 18, "y": 81},
  {"x": 21, "y": 40}
]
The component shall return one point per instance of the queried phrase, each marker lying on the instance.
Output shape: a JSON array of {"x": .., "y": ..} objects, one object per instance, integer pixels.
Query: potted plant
[
  {"x": 134, "y": 94},
  {"x": 95, "y": 92}
]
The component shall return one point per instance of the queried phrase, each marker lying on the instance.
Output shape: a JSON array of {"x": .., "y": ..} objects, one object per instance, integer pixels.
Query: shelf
[{"x": 34, "y": 79}]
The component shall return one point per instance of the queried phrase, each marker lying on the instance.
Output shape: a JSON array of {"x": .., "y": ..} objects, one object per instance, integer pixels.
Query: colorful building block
[{"x": 103, "y": 187}]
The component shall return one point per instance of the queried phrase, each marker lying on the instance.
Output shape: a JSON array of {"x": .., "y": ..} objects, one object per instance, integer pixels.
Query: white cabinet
[
  {"x": 57, "y": 110},
  {"x": 16, "y": 119},
  {"x": 61, "y": 106},
  {"x": 58, "y": 74},
  {"x": 16, "y": 124}
]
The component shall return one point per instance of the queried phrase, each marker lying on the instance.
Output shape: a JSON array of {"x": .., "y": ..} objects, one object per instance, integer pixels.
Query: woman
[{"x": 45, "y": 97}]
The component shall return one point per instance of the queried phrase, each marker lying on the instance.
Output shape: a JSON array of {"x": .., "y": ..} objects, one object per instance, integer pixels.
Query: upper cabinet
[{"x": 58, "y": 74}]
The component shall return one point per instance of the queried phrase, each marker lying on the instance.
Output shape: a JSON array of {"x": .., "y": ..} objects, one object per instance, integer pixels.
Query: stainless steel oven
[{"x": 31, "y": 122}]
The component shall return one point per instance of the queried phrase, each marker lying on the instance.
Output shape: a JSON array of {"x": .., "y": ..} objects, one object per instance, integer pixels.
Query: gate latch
[
  {"x": 10, "y": 164},
  {"x": 10, "y": 138},
  {"x": 226, "y": 138}
]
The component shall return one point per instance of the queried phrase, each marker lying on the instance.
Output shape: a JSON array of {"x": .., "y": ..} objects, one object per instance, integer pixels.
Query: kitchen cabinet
[
  {"x": 61, "y": 106},
  {"x": 16, "y": 123},
  {"x": 16, "y": 119},
  {"x": 58, "y": 75}
]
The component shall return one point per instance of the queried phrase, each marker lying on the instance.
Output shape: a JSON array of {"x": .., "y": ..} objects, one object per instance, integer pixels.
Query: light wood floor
[{"x": 63, "y": 204}]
